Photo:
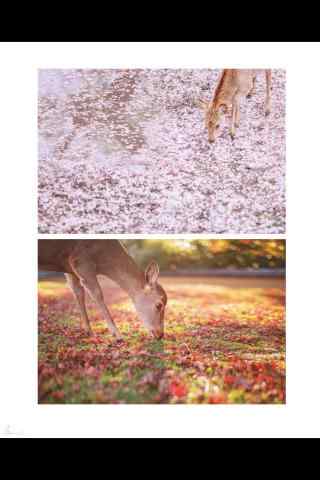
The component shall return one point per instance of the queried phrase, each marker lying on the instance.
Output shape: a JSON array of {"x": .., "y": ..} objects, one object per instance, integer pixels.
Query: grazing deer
[
  {"x": 233, "y": 84},
  {"x": 83, "y": 260}
]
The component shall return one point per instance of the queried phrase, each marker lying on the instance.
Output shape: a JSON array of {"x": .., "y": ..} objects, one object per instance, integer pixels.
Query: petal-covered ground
[
  {"x": 126, "y": 151},
  {"x": 223, "y": 344}
]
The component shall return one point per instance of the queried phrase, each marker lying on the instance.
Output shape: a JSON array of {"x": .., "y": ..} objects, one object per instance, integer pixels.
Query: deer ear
[
  {"x": 152, "y": 273},
  {"x": 203, "y": 104}
]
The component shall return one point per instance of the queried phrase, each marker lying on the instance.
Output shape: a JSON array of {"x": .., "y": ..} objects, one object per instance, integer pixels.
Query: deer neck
[
  {"x": 132, "y": 283},
  {"x": 225, "y": 89},
  {"x": 127, "y": 275}
]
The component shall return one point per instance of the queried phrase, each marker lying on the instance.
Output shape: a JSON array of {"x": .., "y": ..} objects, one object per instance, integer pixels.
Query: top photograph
[{"x": 156, "y": 151}]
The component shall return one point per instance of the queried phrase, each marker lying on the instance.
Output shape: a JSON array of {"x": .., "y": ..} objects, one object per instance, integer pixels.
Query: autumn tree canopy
[{"x": 179, "y": 254}]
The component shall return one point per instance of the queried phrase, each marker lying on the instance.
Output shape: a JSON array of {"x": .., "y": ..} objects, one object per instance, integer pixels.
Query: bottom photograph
[{"x": 161, "y": 321}]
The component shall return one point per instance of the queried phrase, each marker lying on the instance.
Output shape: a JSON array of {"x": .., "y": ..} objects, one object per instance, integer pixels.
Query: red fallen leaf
[
  {"x": 93, "y": 340},
  {"x": 47, "y": 371},
  {"x": 59, "y": 395},
  {"x": 217, "y": 398},
  {"x": 178, "y": 389},
  {"x": 91, "y": 371},
  {"x": 170, "y": 336},
  {"x": 257, "y": 366},
  {"x": 229, "y": 379}
]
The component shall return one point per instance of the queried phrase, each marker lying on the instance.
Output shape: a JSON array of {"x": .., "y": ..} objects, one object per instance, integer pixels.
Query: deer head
[
  {"x": 212, "y": 118},
  {"x": 151, "y": 301}
]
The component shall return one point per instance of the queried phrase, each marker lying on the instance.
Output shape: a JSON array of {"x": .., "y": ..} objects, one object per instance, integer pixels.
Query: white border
[{"x": 18, "y": 154}]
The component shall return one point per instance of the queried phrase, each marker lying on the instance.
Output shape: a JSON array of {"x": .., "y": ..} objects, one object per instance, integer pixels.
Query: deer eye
[{"x": 159, "y": 306}]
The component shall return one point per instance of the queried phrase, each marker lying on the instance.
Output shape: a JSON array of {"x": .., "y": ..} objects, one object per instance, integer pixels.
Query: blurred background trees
[{"x": 206, "y": 254}]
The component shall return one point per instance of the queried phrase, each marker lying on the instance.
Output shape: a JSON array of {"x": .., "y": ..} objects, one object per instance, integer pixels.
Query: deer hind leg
[
  {"x": 79, "y": 294},
  {"x": 268, "y": 92},
  {"x": 89, "y": 281}
]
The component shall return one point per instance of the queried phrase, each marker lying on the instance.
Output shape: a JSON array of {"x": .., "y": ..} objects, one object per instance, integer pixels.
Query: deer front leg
[
  {"x": 253, "y": 89},
  {"x": 235, "y": 115},
  {"x": 89, "y": 281},
  {"x": 94, "y": 290},
  {"x": 79, "y": 294},
  {"x": 268, "y": 92},
  {"x": 238, "y": 114}
]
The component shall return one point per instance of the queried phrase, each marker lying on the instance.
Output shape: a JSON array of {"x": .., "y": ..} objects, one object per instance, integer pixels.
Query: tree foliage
[{"x": 180, "y": 254}]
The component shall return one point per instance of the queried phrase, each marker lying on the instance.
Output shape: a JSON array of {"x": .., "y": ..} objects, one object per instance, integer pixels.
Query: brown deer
[
  {"x": 232, "y": 85},
  {"x": 83, "y": 260}
]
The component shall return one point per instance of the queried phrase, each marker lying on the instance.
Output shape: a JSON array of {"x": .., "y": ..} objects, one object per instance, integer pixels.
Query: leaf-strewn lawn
[{"x": 222, "y": 345}]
